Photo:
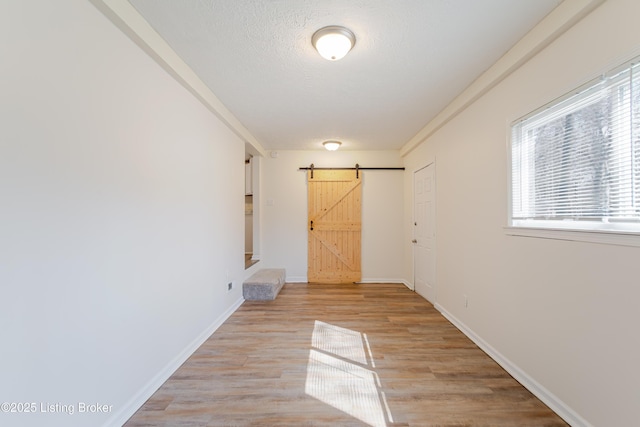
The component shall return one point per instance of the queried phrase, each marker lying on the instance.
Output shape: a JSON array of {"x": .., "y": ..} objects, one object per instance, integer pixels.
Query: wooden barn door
[{"x": 334, "y": 225}]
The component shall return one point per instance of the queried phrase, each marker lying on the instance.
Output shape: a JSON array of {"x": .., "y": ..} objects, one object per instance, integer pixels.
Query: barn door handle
[{"x": 311, "y": 226}]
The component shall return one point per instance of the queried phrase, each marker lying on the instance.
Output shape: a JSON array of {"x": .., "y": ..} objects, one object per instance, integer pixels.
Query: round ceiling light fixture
[
  {"x": 332, "y": 145},
  {"x": 333, "y": 42}
]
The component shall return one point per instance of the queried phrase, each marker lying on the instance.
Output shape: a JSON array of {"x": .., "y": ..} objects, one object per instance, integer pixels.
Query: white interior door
[{"x": 424, "y": 233}]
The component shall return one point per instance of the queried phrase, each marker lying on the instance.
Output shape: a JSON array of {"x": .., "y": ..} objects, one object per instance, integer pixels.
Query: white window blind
[{"x": 576, "y": 162}]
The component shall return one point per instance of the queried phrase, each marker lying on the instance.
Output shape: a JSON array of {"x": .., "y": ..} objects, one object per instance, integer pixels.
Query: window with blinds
[{"x": 575, "y": 164}]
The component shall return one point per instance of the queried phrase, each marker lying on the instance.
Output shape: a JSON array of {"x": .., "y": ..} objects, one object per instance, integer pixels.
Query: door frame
[{"x": 431, "y": 162}]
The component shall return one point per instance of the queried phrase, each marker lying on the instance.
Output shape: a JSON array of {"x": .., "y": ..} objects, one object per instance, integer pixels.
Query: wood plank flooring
[{"x": 341, "y": 355}]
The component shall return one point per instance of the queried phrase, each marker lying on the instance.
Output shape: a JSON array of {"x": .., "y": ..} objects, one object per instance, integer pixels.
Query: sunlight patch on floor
[
  {"x": 338, "y": 341},
  {"x": 338, "y": 374}
]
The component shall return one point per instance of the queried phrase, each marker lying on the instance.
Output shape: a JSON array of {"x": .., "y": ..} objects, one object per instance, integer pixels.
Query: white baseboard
[
  {"x": 406, "y": 283},
  {"x": 303, "y": 279},
  {"x": 380, "y": 280},
  {"x": 548, "y": 398},
  {"x": 130, "y": 408},
  {"x": 387, "y": 280},
  {"x": 411, "y": 286},
  {"x": 296, "y": 279}
]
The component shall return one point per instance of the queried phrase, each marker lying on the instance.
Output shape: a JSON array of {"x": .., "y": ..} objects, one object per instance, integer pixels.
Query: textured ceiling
[{"x": 411, "y": 58}]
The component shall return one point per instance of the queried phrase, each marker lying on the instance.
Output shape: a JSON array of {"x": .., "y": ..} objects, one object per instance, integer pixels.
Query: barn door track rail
[{"x": 357, "y": 168}]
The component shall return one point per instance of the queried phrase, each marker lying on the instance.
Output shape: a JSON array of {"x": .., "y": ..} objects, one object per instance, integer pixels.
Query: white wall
[
  {"x": 284, "y": 211},
  {"x": 121, "y": 217},
  {"x": 562, "y": 315}
]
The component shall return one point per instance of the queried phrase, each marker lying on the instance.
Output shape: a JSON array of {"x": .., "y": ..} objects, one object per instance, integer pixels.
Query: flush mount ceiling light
[
  {"x": 332, "y": 145},
  {"x": 333, "y": 42}
]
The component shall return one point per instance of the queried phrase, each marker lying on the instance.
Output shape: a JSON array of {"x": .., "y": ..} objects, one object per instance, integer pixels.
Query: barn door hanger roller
[{"x": 356, "y": 168}]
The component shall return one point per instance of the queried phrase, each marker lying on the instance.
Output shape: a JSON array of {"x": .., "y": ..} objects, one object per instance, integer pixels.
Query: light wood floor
[{"x": 341, "y": 355}]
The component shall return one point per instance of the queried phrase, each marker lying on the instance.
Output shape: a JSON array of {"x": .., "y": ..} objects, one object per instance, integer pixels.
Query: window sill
[{"x": 591, "y": 236}]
